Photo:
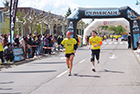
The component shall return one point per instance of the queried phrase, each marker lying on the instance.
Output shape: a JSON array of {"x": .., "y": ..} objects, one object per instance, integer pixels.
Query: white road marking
[
  {"x": 62, "y": 74},
  {"x": 110, "y": 43},
  {"x": 63, "y": 58},
  {"x": 116, "y": 43},
  {"x": 82, "y": 61},
  {"x": 104, "y": 43},
  {"x": 67, "y": 70},
  {"x": 113, "y": 57},
  {"x": 121, "y": 42}
]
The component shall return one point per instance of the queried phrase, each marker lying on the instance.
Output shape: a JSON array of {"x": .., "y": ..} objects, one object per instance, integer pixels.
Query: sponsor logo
[
  {"x": 111, "y": 12},
  {"x": 105, "y": 22},
  {"x": 131, "y": 14},
  {"x": 108, "y": 22},
  {"x": 74, "y": 15}
]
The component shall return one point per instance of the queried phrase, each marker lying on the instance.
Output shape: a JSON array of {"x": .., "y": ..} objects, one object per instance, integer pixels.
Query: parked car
[{"x": 124, "y": 38}]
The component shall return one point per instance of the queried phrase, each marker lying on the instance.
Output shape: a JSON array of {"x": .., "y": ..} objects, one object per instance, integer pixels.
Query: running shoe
[
  {"x": 98, "y": 61},
  {"x": 69, "y": 74},
  {"x": 93, "y": 70},
  {"x": 68, "y": 66}
]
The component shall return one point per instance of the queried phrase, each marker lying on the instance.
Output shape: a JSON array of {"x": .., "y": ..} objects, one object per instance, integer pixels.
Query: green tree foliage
[
  {"x": 111, "y": 28},
  {"x": 104, "y": 27},
  {"x": 5, "y": 26},
  {"x": 118, "y": 30},
  {"x": 37, "y": 28},
  {"x": 68, "y": 12}
]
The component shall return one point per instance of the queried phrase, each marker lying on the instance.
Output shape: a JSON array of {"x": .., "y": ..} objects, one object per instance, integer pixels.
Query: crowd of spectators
[{"x": 33, "y": 45}]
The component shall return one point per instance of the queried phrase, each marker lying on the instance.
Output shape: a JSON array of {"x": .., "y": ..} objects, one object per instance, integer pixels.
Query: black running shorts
[{"x": 68, "y": 55}]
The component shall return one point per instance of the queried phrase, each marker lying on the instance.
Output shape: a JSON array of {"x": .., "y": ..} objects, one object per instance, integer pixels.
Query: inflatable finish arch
[
  {"x": 106, "y": 22},
  {"x": 122, "y": 12}
]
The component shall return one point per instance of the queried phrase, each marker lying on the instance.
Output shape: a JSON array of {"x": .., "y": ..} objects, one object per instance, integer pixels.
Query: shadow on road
[
  {"x": 5, "y": 88},
  {"x": 105, "y": 70},
  {"x": 116, "y": 49},
  {"x": 83, "y": 49},
  {"x": 31, "y": 71},
  {"x": 49, "y": 62},
  {"x": 10, "y": 93},
  {"x": 87, "y": 76},
  {"x": 6, "y": 82}
]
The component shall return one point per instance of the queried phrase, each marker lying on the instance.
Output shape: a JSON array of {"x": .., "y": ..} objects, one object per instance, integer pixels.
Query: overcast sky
[{"x": 61, "y": 6}]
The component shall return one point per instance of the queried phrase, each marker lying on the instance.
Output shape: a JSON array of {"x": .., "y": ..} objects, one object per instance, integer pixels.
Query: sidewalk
[
  {"x": 9, "y": 65},
  {"x": 137, "y": 54}
]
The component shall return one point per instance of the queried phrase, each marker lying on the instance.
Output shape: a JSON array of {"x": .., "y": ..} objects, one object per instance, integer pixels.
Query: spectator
[
  {"x": 55, "y": 37},
  {"x": 129, "y": 41},
  {"x": 1, "y": 53},
  {"x": 8, "y": 37},
  {"x": 46, "y": 43},
  {"x": 34, "y": 46},
  {"x": 59, "y": 40},
  {"x": 5, "y": 40},
  {"x": 30, "y": 39},
  {"x": 50, "y": 43},
  {"x": 53, "y": 41},
  {"x": 23, "y": 44},
  {"x": 35, "y": 35},
  {"x": 17, "y": 43},
  {"x": 39, "y": 44},
  {"x": 29, "y": 51},
  {"x": 8, "y": 53},
  {"x": 77, "y": 41}
]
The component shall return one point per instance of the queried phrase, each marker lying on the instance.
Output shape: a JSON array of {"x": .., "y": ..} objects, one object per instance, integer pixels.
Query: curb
[
  {"x": 6, "y": 66},
  {"x": 136, "y": 55}
]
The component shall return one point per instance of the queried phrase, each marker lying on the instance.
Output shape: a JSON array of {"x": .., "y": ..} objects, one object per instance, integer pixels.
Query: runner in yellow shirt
[
  {"x": 95, "y": 42},
  {"x": 111, "y": 36},
  {"x": 117, "y": 37},
  {"x": 70, "y": 49},
  {"x": 105, "y": 37}
]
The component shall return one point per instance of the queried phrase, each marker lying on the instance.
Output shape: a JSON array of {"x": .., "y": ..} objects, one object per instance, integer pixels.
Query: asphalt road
[{"x": 117, "y": 73}]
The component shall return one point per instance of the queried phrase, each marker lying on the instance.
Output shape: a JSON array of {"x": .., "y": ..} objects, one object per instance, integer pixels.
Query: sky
[{"x": 61, "y": 6}]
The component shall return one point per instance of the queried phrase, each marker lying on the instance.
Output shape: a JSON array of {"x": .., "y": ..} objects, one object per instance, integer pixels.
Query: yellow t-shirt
[
  {"x": 95, "y": 41},
  {"x": 69, "y": 45},
  {"x": 1, "y": 47},
  {"x": 111, "y": 36}
]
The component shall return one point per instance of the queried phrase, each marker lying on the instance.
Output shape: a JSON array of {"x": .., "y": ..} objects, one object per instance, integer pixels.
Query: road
[{"x": 117, "y": 73}]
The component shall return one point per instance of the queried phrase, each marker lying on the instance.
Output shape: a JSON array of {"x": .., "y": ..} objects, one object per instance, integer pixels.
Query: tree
[
  {"x": 68, "y": 12},
  {"x": 104, "y": 27},
  {"x": 5, "y": 26},
  {"x": 118, "y": 30},
  {"x": 6, "y": 3},
  {"x": 111, "y": 28}
]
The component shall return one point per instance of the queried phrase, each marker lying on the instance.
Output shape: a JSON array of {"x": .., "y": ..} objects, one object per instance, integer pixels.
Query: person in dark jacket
[
  {"x": 5, "y": 40},
  {"x": 46, "y": 44},
  {"x": 17, "y": 43},
  {"x": 8, "y": 53},
  {"x": 59, "y": 40},
  {"x": 30, "y": 39},
  {"x": 34, "y": 46},
  {"x": 50, "y": 42},
  {"x": 129, "y": 41},
  {"x": 38, "y": 43}
]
